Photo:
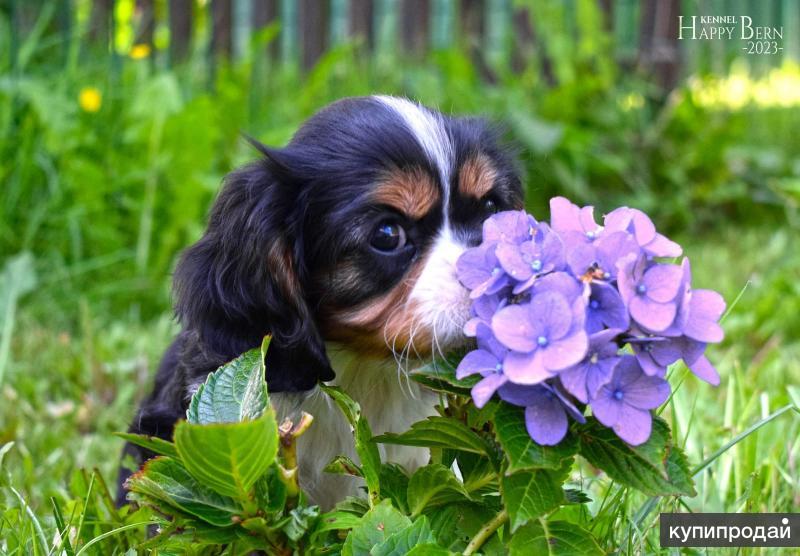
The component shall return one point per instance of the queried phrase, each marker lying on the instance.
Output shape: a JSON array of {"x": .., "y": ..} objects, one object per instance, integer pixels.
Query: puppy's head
[{"x": 350, "y": 233}]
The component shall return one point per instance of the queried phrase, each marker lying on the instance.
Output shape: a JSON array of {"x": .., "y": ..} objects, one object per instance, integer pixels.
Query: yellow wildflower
[
  {"x": 139, "y": 51},
  {"x": 90, "y": 99}
]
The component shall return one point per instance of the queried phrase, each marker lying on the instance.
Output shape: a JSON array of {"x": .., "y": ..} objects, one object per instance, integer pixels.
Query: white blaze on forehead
[{"x": 429, "y": 131}]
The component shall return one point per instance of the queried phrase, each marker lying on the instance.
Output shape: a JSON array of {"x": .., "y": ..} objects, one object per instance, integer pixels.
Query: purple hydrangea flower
[
  {"x": 605, "y": 309},
  {"x": 480, "y": 271},
  {"x": 639, "y": 224},
  {"x": 530, "y": 259},
  {"x": 587, "y": 377},
  {"x": 566, "y": 217},
  {"x": 546, "y": 336},
  {"x": 598, "y": 259},
  {"x": 553, "y": 305},
  {"x": 510, "y": 226},
  {"x": 624, "y": 403},
  {"x": 484, "y": 308},
  {"x": 546, "y": 411},
  {"x": 487, "y": 361},
  {"x": 656, "y": 354},
  {"x": 650, "y": 291}
]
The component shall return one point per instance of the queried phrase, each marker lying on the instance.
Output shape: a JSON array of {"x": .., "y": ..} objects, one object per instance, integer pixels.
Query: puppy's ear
[{"x": 245, "y": 278}]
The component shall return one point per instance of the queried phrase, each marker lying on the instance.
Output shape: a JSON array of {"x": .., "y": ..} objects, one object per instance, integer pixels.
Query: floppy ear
[{"x": 244, "y": 279}]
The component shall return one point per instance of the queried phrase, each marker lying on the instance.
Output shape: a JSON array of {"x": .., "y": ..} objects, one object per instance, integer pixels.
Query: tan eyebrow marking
[
  {"x": 412, "y": 191},
  {"x": 476, "y": 176}
]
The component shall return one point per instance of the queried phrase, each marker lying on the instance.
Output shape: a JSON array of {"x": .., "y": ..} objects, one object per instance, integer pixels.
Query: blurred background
[{"x": 119, "y": 118}]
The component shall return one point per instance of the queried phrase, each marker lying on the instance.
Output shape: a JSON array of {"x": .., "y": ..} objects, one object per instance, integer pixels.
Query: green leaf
[
  {"x": 521, "y": 450},
  {"x": 152, "y": 443},
  {"x": 270, "y": 491},
  {"x": 366, "y": 448},
  {"x": 394, "y": 485},
  {"x": 342, "y": 465},
  {"x": 433, "y": 485},
  {"x": 656, "y": 467},
  {"x": 429, "y": 549},
  {"x": 440, "y": 375},
  {"x": 530, "y": 494},
  {"x": 438, "y": 432},
  {"x": 336, "y": 520},
  {"x": 301, "y": 520},
  {"x": 444, "y": 523},
  {"x": 400, "y": 543},
  {"x": 228, "y": 458},
  {"x": 237, "y": 391},
  {"x": 163, "y": 479},
  {"x": 378, "y": 524},
  {"x": 477, "y": 471},
  {"x": 554, "y": 538}
]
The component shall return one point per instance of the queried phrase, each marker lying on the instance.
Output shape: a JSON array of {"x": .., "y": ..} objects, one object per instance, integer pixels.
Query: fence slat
[
  {"x": 180, "y": 29},
  {"x": 221, "y": 22},
  {"x": 313, "y": 26},
  {"x": 361, "y": 21},
  {"x": 415, "y": 25}
]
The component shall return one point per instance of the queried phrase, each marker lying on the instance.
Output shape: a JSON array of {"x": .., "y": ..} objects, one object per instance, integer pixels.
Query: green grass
[{"x": 67, "y": 391}]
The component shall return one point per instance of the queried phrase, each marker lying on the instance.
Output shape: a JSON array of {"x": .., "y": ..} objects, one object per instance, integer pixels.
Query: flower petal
[
  {"x": 652, "y": 315},
  {"x": 477, "y": 361},
  {"x": 647, "y": 392},
  {"x": 663, "y": 282},
  {"x": 550, "y": 314},
  {"x": 606, "y": 408},
  {"x": 514, "y": 329},
  {"x": 574, "y": 381},
  {"x": 525, "y": 368},
  {"x": 485, "y": 389},
  {"x": 634, "y": 425},
  {"x": 564, "y": 215},
  {"x": 565, "y": 352},
  {"x": 704, "y": 370},
  {"x": 546, "y": 423},
  {"x": 661, "y": 246},
  {"x": 705, "y": 309},
  {"x": 510, "y": 257}
]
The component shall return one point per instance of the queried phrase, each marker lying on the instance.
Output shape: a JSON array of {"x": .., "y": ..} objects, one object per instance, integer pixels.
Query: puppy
[{"x": 342, "y": 246}]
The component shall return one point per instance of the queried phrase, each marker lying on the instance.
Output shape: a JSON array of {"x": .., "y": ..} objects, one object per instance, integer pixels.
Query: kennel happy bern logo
[{"x": 761, "y": 39}]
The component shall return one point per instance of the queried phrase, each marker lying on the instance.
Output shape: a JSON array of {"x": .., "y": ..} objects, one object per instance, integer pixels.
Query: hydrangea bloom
[{"x": 575, "y": 314}]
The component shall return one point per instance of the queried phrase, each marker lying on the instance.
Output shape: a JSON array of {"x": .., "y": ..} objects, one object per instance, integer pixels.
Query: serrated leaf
[
  {"x": 432, "y": 485},
  {"x": 353, "y": 505},
  {"x": 438, "y": 432},
  {"x": 237, "y": 391},
  {"x": 376, "y": 526},
  {"x": 394, "y": 485},
  {"x": 655, "y": 467},
  {"x": 365, "y": 445},
  {"x": 153, "y": 443},
  {"x": 530, "y": 494},
  {"x": 554, "y": 538},
  {"x": 163, "y": 479},
  {"x": 521, "y": 450},
  {"x": 400, "y": 543},
  {"x": 228, "y": 458},
  {"x": 342, "y": 465},
  {"x": 477, "y": 472}
]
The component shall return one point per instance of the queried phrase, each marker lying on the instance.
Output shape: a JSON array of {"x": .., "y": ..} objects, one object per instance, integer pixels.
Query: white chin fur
[{"x": 441, "y": 303}]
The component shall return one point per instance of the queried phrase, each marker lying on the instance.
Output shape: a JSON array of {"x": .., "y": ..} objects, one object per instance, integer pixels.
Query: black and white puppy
[{"x": 342, "y": 246}]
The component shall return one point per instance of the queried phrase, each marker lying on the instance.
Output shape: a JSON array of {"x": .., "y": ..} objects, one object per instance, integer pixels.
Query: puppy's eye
[
  {"x": 490, "y": 206},
  {"x": 388, "y": 237}
]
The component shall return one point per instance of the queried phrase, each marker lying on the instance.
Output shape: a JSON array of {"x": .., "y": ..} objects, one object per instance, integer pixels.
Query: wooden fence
[{"x": 644, "y": 33}]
